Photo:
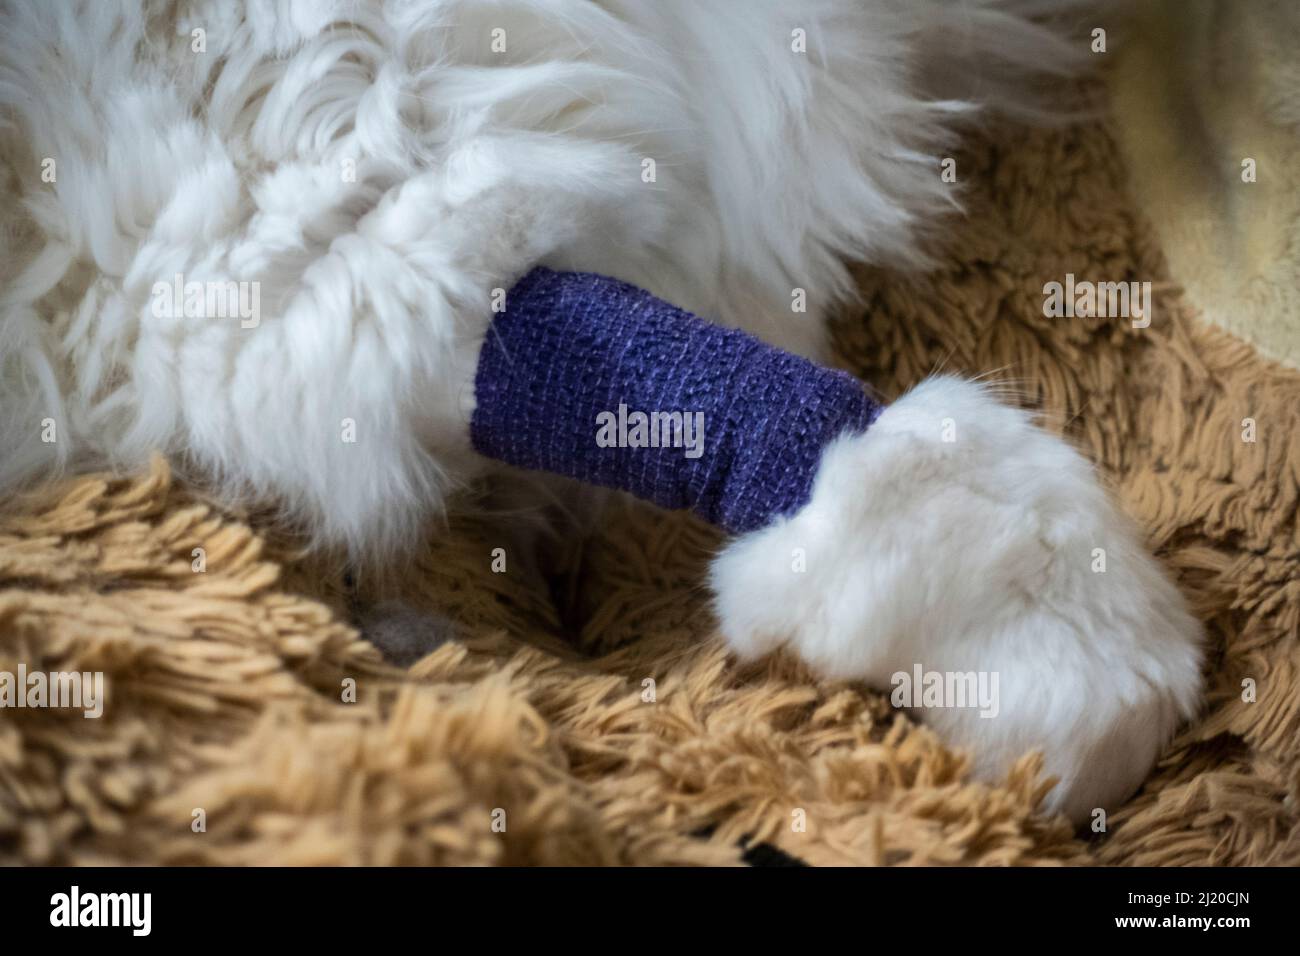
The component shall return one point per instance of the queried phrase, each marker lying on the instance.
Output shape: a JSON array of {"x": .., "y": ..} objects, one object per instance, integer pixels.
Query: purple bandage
[{"x": 593, "y": 378}]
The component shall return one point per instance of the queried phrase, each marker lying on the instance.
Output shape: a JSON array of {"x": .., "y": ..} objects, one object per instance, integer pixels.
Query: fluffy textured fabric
[
  {"x": 376, "y": 170},
  {"x": 729, "y": 427},
  {"x": 1212, "y": 153},
  {"x": 225, "y": 686}
]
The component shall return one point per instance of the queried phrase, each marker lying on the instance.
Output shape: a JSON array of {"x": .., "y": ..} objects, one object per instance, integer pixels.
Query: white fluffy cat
[{"x": 375, "y": 170}]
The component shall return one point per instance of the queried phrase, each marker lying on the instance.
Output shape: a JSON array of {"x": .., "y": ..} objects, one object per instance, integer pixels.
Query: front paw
[{"x": 957, "y": 537}]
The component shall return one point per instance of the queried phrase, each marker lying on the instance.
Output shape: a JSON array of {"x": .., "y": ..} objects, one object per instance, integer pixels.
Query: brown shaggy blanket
[{"x": 588, "y": 715}]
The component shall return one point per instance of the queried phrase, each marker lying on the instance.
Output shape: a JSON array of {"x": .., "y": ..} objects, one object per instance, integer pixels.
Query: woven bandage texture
[{"x": 720, "y": 422}]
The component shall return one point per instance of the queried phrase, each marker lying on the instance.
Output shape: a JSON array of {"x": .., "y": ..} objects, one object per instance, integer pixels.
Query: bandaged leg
[
  {"x": 943, "y": 540},
  {"x": 595, "y": 379}
]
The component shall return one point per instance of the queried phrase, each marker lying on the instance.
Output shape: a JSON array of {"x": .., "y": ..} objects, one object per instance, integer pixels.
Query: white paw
[{"x": 957, "y": 537}]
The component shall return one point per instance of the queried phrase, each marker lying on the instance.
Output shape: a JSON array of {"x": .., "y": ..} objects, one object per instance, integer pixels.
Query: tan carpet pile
[{"x": 247, "y": 722}]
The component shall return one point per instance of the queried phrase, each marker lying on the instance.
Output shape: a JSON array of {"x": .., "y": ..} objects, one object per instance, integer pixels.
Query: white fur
[
  {"x": 773, "y": 166},
  {"x": 978, "y": 554}
]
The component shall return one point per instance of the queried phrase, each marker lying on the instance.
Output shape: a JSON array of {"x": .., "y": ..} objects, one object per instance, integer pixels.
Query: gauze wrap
[{"x": 574, "y": 358}]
